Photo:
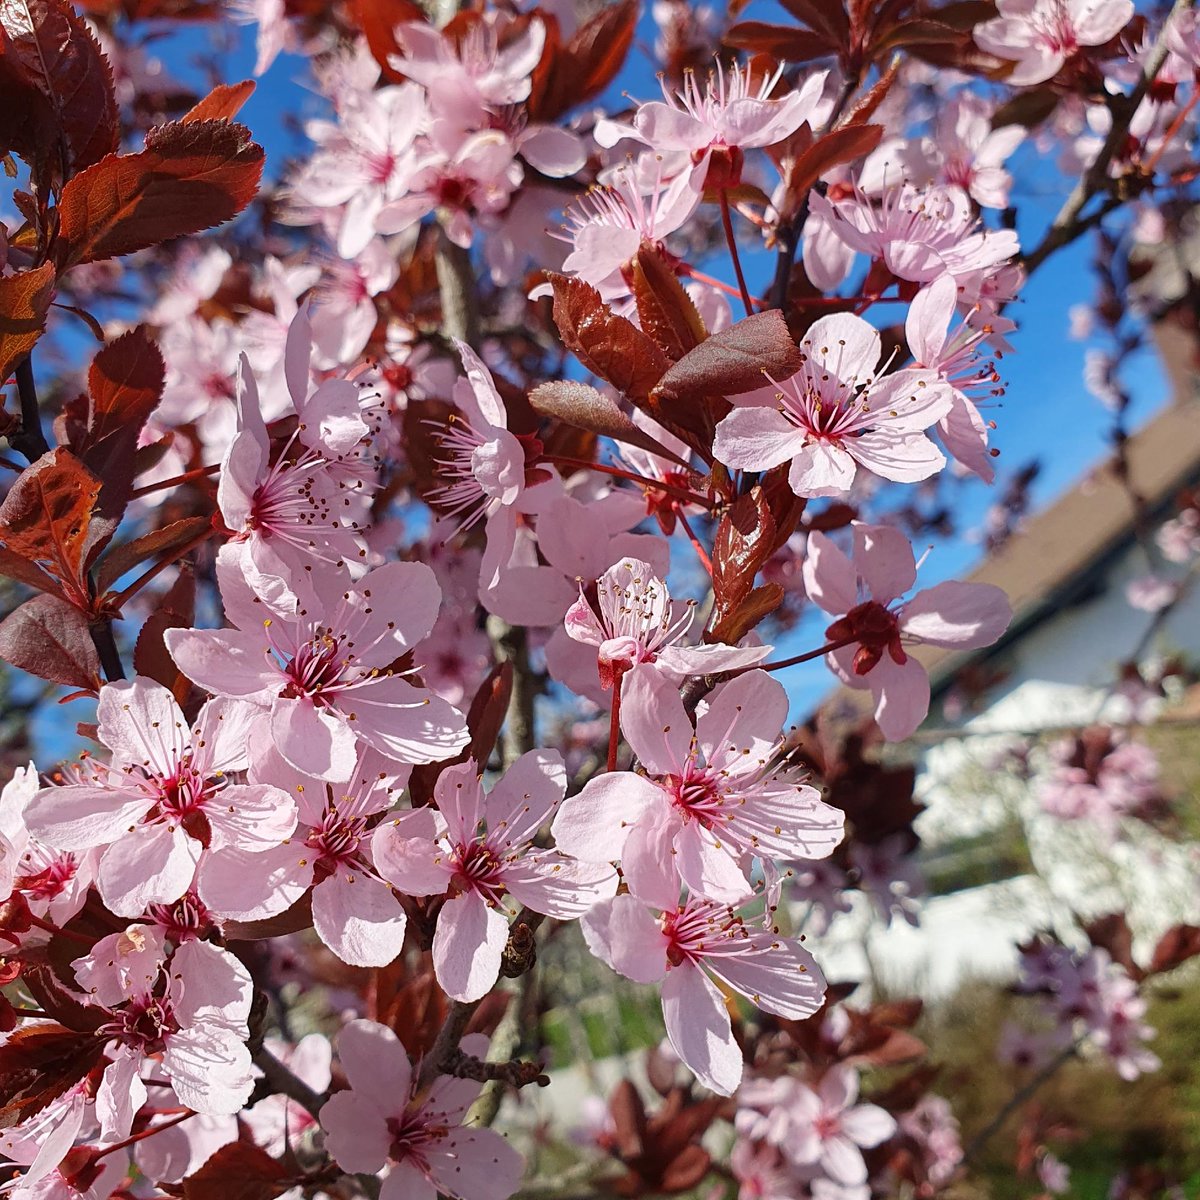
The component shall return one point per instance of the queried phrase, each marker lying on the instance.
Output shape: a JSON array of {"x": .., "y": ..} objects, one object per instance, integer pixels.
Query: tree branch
[
  {"x": 1068, "y": 225},
  {"x": 31, "y": 441}
]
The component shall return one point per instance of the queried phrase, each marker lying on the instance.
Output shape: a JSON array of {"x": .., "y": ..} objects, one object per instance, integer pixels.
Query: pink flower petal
[
  {"x": 594, "y": 824},
  {"x": 467, "y": 946},
  {"x": 358, "y": 918},
  {"x": 699, "y": 1029}
]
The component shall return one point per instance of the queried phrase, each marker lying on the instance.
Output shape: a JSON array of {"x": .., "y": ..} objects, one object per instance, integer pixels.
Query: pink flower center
[
  {"x": 316, "y": 670},
  {"x": 182, "y": 800},
  {"x": 477, "y": 869},
  {"x": 51, "y": 881},
  {"x": 696, "y": 794},
  {"x": 703, "y": 928},
  {"x": 1055, "y": 29},
  {"x": 183, "y": 921},
  {"x": 827, "y": 1125},
  {"x": 412, "y": 1135},
  {"x": 142, "y": 1024},
  {"x": 336, "y": 841},
  {"x": 877, "y": 631}
]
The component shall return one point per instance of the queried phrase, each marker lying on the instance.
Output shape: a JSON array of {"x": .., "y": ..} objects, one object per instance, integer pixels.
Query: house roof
[{"x": 1059, "y": 554}]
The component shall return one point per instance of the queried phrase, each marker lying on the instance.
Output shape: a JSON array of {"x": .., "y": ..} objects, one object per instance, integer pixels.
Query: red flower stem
[
  {"x": 803, "y": 658},
  {"x": 641, "y": 480},
  {"x": 727, "y": 221},
  {"x": 614, "y": 724},
  {"x": 198, "y": 473},
  {"x": 700, "y": 277},
  {"x": 701, "y": 553},
  {"x": 141, "y": 1137},
  {"x": 140, "y": 582},
  {"x": 57, "y": 930}
]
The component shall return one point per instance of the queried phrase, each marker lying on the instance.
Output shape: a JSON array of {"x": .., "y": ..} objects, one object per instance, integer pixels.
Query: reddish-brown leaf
[
  {"x": 746, "y": 614},
  {"x": 665, "y": 310},
  {"x": 58, "y": 110},
  {"x": 176, "y": 610},
  {"x": 378, "y": 20},
  {"x": 1029, "y": 108},
  {"x": 37, "y": 1065},
  {"x": 865, "y": 106},
  {"x": 838, "y": 146},
  {"x": 916, "y": 33},
  {"x": 49, "y": 638},
  {"x": 827, "y": 17},
  {"x": 575, "y": 72},
  {"x": 608, "y": 345},
  {"x": 583, "y": 407},
  {"x": 784, "y": 42},
  {"x": 1176, "y": 946},
  {"x": 163, "y": 541},
  {"x": 223, "y": 103},
  {"x": 45, "y": 520},
  {"x": 238, "y": 1171},
  {"x": 24, "y": 301},
  {"x": 188, "y": 178},
  {"x": 125, "y": 384},
  {"x": 736, "y": 360},
  {"x": 744, "y": 540},
  {"x": 1112, "y": 933}
]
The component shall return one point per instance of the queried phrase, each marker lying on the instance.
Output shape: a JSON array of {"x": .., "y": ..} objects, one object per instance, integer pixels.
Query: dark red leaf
[
  {"x": 583, "y": 407},
  {"x": 176, "y": 610},
  {"x": 784, "y": 42},
  {"x": 1028, "y": 108},
  {"x": 1112, "y": 933},
  {"x": 608, "y": 345},
  {"x": 238, "y": 1171},
  {"x": 917, "y": 33},
  {"x": 150, "y": 545},
  {"x": 378, "y": 20},
  {"x": 736, "y": 360},
  {"x": 575, "y": 72},
  {"x": 666, "y": 312},
  {"x": 744, "y": 541},
  {"x": 746, "y": 614},
  {"x": 49, "y": 638},
  {"x": 58, "y": 110},
  {"x": 45, "y": 520},
  {"x": 223, "y": 103},
  {"x": 1176, "y": 946},
  {"x": 865, "y": 106},
  {"x": 24, "y": 301},
  {"x": 125, "y": 384},
  {"x": 827, "y": 17},
  {"x": 39, "y": 1064},
  {"x": 188, "y": 178}
]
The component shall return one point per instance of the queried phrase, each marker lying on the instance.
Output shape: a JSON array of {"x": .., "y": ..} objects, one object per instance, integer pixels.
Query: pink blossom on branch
[
  {"x": 322, "y": 665},
  {"x": 836, "y": 414},
  {"x": 481, "y": 853},
  {"x": 862, "y": 592},
  {"x": 713, "y": 799},
  {"x": 683, "y": 947},
  {"x": 383, "y": 1123}
]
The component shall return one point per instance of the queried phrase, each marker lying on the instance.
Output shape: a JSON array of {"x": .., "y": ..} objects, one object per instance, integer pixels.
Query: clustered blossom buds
[{"x": 422, "y": 652}]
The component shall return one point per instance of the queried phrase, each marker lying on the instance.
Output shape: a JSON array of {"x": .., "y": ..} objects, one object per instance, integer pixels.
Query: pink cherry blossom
[
  {"x": 483, "y": 854},
  {"x": 634, "y": 621},
  {"x": 355, "y": 912},
  {"x": 704, "y": 130},
  {"x": 686, "y": 944},
  {"x": 836, "y": 413},
  {"x": 163, "y": 806},
  {"x": 957, "y": 358},
  {"x": 484, "y": 466},
  {"x": 322, "y": 665},
  {"x": 1039, "y": 36},
  {"x": 382, "y": 1122},
  {"x": 920, "y": 234},
  {"x": 54, "y": 883},
  {"x": 713, "y": 799},
  {"x": 822, "y": 1127},
  {"x": 861, "y": 592},
  {"x": 609, "y": 223},
  {"x": 191, "y": 1011}
]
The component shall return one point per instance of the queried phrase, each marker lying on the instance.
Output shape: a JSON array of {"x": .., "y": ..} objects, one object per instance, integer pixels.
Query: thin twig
[
  {"x": 445, "y": 1045},
  {"x": 281, "y": 1081}
]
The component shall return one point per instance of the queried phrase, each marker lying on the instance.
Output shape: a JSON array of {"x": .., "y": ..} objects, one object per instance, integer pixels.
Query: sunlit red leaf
[
  {"x": 665, "y": 310},
  {"x": 1176, "y": 946},
  {"x": 784, "y": 42},
  {"x": 49, "y": 638},
  {"x": 39, "y": 1064},
  {"x": 608, "y": 345},
  {"x": 378, "y": 20},
  {"x": 188, "y": 178},
  {"x": 45, "y": 521},
  {"x": 24, "y": 301},
  {"x": 57, "y": 106},
  {"x": 586, "y": 64},
  {"x": 223, "y": 103}
]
